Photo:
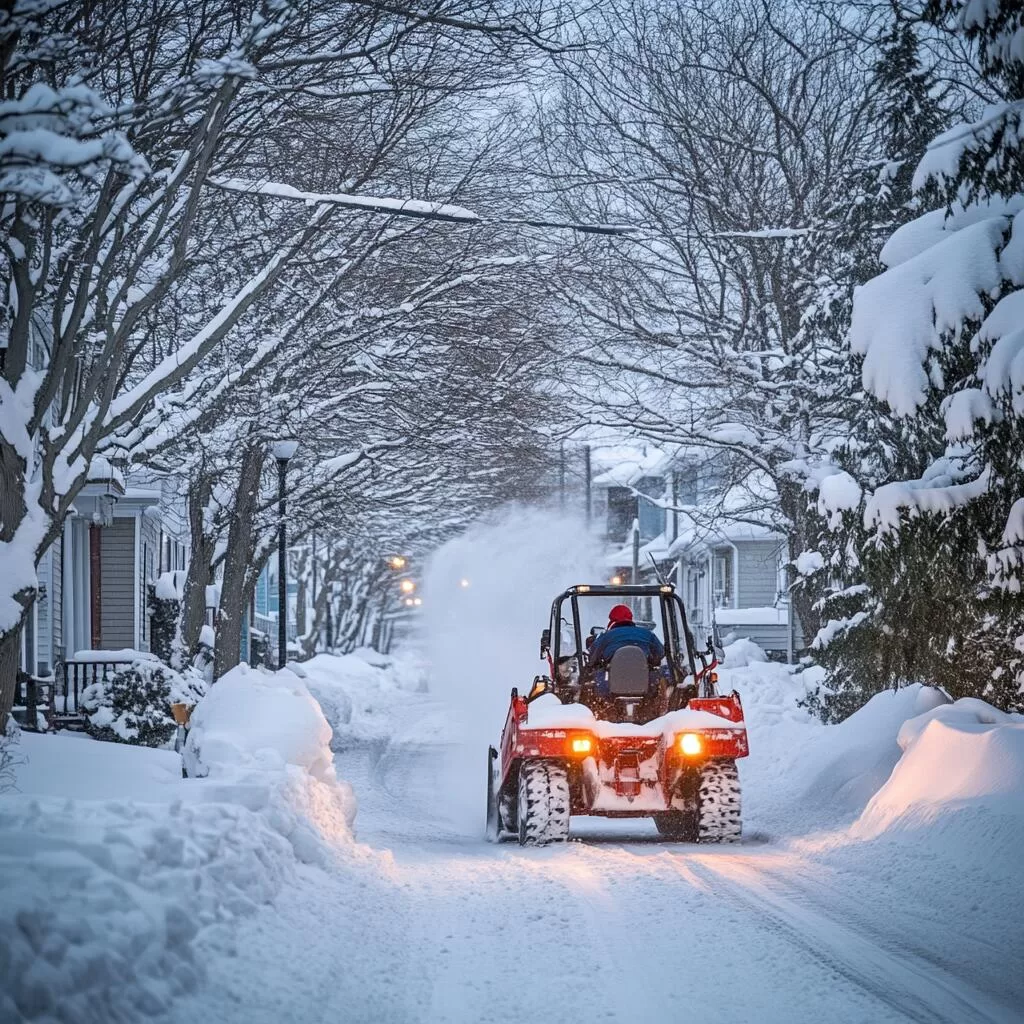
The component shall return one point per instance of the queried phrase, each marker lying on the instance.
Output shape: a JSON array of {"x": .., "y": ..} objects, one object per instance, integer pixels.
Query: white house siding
[
  {"x": 149, "y": 557},
  {"x": 757, "y": 573},
  {"x": 49, "y": 617},
  {"x": 44, "y": 637},
  {"x": 55, "y": 593},
  {"x": 117, "y": 583}
]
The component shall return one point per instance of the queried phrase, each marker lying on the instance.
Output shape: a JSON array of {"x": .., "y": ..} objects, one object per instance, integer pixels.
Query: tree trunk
[
  {"x": 321, "y": 616},
  {"x": 236, "y": 563},
  {"x": 10, "y": 662},
  {"x": 199, "y": 577},
  {"x": 793, "y": 501},
  {"x": 302, "y": 571},
  {"x": 193, "y": 603},
  {"x": 12, "y": 514}
]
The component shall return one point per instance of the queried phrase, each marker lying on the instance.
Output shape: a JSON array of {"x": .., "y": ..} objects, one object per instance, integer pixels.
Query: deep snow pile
[
  {"x": 120, "y": 865},
  {"x": 909, "y": 769},
  {"x": 959, "y": 784},
  {"x": 261, "y": 740}
]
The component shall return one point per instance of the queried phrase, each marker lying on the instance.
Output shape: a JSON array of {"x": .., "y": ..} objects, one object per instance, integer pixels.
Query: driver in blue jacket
[{"x": 622, "y": 632}]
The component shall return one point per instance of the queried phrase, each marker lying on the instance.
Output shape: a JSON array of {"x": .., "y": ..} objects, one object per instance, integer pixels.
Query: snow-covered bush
[
  {"x": 165, "y": 598},
  {"x": 133, "y": 704}
]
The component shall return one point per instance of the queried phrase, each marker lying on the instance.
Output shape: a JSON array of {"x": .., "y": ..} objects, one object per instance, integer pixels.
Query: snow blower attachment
[{"x": 627, "y": 736}]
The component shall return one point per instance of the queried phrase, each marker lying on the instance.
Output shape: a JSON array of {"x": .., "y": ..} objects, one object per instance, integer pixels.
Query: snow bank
[
  {"x": 264, "y": 742},
  {"x": 262, "y": 719},
  {"x": 741, "y": 654},
  {"x": 847, "y": 763},
  {"x": 364, "y": 696},
  {"x": 802, "y": 774},
  {"x": 120, "y": 865},
  {"x": 959, "y": 784},
  {"x": 123, "y": 867}
]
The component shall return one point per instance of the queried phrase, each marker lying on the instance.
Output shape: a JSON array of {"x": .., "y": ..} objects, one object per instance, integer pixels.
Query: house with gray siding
[
  {"x": 93, "y": 582},
  {"x": 728, "y": 571}
]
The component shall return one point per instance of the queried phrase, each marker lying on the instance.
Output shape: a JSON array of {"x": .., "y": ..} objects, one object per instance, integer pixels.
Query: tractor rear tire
[
  {"x": 679, "y": 825},
  {"x": 720, "y": 818},
  {"x": 543, "y": 804}
]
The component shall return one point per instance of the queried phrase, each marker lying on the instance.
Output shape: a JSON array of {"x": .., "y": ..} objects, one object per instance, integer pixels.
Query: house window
[
  {"x": 652, "y": 519},
  {"x": 622, "y": 511},
  {"x": 686, "y": 486},
  {"x": 721, "y": 578}
]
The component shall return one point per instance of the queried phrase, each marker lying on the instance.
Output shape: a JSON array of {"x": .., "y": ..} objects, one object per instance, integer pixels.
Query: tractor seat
[{"x": 629, "y": 674}]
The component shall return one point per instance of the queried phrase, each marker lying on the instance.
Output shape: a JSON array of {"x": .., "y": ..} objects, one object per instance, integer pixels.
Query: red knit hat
[{"x": 620, "y": 613}]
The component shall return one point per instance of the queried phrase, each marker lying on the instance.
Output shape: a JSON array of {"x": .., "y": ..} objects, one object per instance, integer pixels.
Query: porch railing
[{"x": 74, "y": 675}]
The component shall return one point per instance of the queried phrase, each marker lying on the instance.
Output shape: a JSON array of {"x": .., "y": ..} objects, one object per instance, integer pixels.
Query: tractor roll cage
[{"x": 669, "y": 601}]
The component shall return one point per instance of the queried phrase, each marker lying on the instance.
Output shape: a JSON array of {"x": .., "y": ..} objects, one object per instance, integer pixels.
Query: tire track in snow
[{"x": 918, "y": 988}]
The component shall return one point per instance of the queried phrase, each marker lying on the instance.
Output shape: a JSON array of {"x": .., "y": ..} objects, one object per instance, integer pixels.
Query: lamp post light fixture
[
  {"x": 283, "y": 450},
  {"x": 407, "y": 586},
  {"x": 397, "y": 561}
]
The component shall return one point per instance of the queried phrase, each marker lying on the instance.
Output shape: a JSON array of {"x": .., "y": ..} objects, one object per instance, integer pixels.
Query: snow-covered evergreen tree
[{"x": 926, "y": 513}]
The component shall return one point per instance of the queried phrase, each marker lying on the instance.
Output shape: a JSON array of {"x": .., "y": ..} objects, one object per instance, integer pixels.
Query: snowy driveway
[{"x": 430, "y": 924}]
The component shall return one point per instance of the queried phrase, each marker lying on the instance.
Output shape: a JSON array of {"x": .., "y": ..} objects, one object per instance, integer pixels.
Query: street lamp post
[{"x": 283, "y": 451}]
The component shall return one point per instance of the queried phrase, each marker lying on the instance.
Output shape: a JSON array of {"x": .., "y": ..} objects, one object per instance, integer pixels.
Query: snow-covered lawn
[{"x": 877, "y": 882}]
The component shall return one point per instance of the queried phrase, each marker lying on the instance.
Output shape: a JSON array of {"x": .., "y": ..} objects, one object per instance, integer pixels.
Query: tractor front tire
[
  {"x": 720, "y": 819},
  {"x": 543, "y": 804}
]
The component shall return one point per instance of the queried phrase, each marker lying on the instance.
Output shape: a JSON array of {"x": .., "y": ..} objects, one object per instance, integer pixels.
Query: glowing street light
[
  {"x": 417, "y": 601},
  {"x": 407, "y": 586},
  {"x": 409, "y": 602},
  {"x": 616, "y": 581},
  {"x": 463, "y": 583},
  {"x": 397, "y": 561}
]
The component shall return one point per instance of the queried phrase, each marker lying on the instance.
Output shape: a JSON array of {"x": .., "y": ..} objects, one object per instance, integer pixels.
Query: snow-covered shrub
[
  {"x": 133, "y": 704},
  {"x": 164, "y": 606}
]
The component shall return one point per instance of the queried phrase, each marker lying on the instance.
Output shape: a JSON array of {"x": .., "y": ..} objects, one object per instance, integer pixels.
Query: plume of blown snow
[{"x": 486, "y": 597}]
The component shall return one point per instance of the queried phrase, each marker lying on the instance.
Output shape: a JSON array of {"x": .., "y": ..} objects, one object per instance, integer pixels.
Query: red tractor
[{"x": 624, "y": 739}]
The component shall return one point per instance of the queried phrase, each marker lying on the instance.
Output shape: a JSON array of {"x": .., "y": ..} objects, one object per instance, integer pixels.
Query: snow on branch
[
  {"x": 900, "y": 318},
  {"x": 936, "y": 493},
  {"x": 417, "y": 208},
  {"x": 393, "y": 207},
  {"x": 780, "y": 233}
]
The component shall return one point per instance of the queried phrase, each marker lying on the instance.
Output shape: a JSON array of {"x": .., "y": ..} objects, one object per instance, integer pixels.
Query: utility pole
[
  {"x": 586, "y": 480},
  {"x": 561, "y": 475},
  {"x": 283, "y": 451}
]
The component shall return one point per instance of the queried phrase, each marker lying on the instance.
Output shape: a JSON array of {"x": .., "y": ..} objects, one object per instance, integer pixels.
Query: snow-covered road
[{"x": 431, "y": 924}]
